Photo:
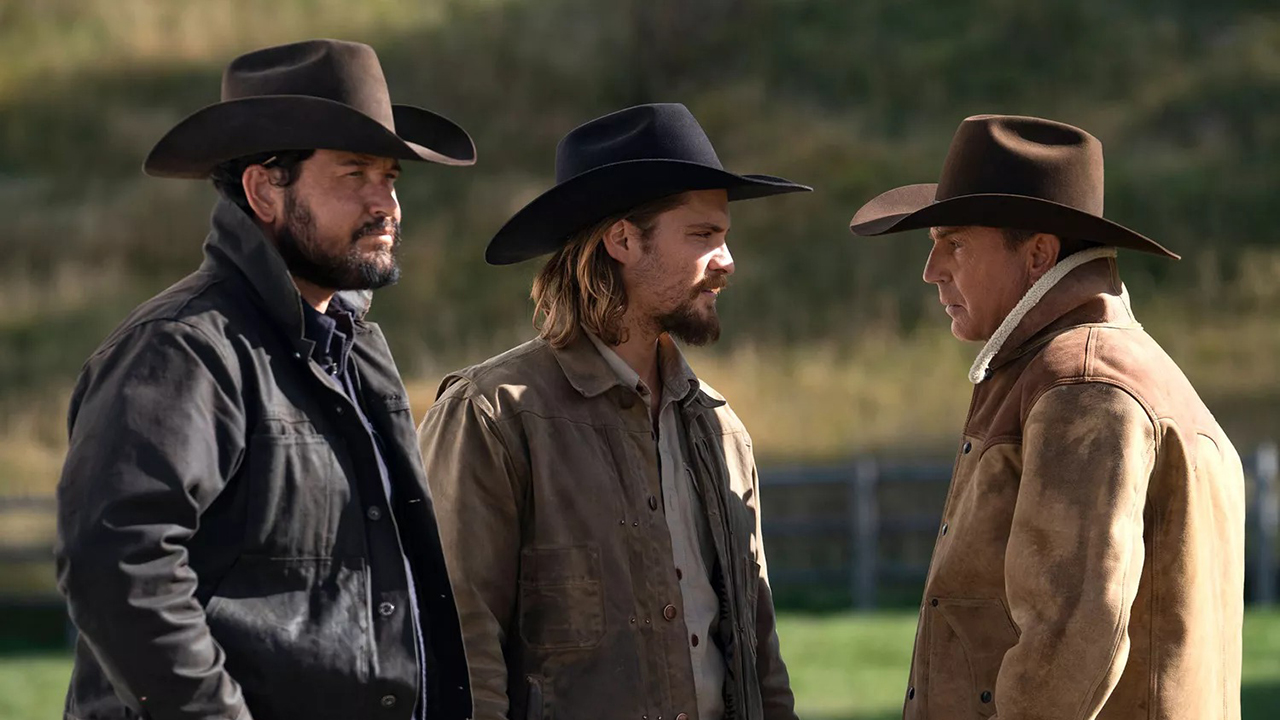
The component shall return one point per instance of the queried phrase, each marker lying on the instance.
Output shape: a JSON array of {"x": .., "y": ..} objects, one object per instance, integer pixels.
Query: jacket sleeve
[
  {"x": 775, "y": 684},
  {"x": 156, "y": 430},
  {"x": 1075, "y": 551},
  {"x": 478, "y": 499}
]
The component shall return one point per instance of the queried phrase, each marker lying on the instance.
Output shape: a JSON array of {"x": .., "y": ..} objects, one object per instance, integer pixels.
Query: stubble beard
[
  {"x": 350, "y": 270},
  {"x": 687, "y": 324}
]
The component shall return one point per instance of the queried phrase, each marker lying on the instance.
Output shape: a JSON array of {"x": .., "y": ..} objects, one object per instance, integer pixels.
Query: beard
[
  {"x": 351, "y": 269},
  {"x": 687, "y": 324}
]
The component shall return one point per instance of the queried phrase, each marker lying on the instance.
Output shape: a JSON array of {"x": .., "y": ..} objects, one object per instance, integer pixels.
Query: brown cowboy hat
[
  {"x": 314, "y": 94},
  {"x": 1015, "y": 172}
]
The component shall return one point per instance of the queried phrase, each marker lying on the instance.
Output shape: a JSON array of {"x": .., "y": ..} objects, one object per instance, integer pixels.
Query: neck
[
  {"x": 315, "y": 296},
  {"x": 640, "y": 351}
]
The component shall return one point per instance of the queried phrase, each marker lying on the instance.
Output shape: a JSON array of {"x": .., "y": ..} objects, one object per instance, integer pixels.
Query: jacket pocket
[
  {"x": 296, "y": 623},
  {"x": 561, "y": 602},
  {"x": 296, "y": 493},
  {"x": 973, "y": 636}
]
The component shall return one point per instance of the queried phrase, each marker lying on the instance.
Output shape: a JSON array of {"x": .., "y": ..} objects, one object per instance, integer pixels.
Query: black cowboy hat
[
  {"x": 1013, "y": 172},
  {"x": 315, "y": 94},
  {"x": 616, "y": 162}
]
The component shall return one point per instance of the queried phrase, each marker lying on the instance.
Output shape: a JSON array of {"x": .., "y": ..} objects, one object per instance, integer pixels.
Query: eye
[{"x": 704, "y": 234}]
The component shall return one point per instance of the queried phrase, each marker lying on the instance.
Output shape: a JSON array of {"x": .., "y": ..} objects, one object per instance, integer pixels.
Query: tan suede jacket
[
  {"x": 1090, "y": 561},
  {"x": 544, "y": 470}
]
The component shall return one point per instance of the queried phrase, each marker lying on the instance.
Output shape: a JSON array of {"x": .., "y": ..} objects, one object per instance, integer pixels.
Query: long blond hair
[{"x": 581, "y": 286}]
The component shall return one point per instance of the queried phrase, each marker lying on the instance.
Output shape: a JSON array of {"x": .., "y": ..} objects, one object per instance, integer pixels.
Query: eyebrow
[
  {"x": 713, "y": 227},
  {"x": 941, "y": 232},
  {"x": 365, "y": 162}
]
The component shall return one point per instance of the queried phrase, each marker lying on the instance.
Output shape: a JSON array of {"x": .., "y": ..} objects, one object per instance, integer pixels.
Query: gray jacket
[{"x": 214, "y": 545}]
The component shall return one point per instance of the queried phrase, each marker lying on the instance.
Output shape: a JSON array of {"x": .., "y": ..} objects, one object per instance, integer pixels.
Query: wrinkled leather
[
  {"x": 543, "y": 465},
  {"x": 1092, "y": 564}
]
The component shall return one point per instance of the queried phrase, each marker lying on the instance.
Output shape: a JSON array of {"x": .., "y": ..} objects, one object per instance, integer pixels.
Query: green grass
[{"x": 843, "y": 667}]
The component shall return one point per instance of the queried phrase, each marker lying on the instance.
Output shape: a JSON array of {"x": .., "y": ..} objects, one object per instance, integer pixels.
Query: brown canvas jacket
[
  {"x": 1090, "y": 559},
  {"x": 544, "y": 468}
]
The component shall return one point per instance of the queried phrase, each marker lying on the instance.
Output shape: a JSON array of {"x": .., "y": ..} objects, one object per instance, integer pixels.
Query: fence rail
[{"x": 862, "y": 527}]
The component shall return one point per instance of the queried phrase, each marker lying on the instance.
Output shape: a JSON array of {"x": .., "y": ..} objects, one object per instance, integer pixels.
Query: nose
[
  {"x": 382, "y": 201},
  {"x": 721, "y": 260},
  {"x": 933, "y": 270}
]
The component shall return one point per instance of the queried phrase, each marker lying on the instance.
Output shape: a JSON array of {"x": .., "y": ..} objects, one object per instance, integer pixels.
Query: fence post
[
  {"x": 1267, "y": 513},
  {"x": 864, "y": 533}
]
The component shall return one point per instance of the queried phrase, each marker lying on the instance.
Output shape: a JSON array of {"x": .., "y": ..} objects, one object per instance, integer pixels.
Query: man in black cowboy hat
[
  {"x": 244, "y": 528},
  {"x": 1090, "y": 559},
  {"x": 599, "y": 504}
]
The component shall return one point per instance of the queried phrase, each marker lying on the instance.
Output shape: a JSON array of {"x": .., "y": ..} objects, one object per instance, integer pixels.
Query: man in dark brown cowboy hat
[
  {"x": 244, "y": 528},
  {"x": 1090, "y": 561},
  {"x": 598, "y": 503}
]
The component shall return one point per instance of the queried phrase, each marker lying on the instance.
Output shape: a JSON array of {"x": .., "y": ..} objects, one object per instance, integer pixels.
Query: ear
[
  {"x": 1041, "y": 254},
  {"x": 266, "y": 198},
  {"x": 622, "y": 241}
]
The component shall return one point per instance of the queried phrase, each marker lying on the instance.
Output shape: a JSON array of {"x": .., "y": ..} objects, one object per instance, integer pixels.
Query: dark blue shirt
[{"x": 334, "y": 335}]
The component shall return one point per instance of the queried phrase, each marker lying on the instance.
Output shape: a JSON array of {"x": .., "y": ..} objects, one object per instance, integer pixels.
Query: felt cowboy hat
[
  {"x": 314, "y": 94},
  {"x": 616, "y": 162},
  {"x": 1010, "y": 172}
]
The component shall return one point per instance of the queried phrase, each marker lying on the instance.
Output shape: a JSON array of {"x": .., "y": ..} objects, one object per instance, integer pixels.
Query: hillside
[{"x": 832, "y": 344}]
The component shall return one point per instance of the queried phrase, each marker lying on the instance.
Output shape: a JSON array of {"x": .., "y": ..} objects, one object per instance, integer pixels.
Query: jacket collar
[
  {"x": 591, "y": 375},
  {"x": 237, "y": 241},
  {"x": 1090, "y": 294}
]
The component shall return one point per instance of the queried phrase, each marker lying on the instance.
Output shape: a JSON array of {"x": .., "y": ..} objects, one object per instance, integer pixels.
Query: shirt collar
[
  {"x": 678, "y": 379},
  {"x": 332, "y": 333}
]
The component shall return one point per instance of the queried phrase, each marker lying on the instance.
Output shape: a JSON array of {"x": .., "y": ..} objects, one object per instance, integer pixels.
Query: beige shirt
[{"x": 692, "y": 549}]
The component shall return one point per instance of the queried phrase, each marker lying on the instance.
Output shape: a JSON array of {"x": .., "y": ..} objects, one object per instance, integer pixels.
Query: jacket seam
[
  {"x": 1122, "y": 621},
  {"x": 213, "y": 344},
  {"x": 485, "y": 416}
]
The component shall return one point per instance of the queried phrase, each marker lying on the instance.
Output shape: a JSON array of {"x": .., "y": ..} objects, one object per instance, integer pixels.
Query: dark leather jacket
[{"x": 216, "y": 526}]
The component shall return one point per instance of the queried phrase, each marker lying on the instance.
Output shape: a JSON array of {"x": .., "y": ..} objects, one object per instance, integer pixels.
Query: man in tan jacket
[
  {"x": 598, "y": 503},
  {"x": 1089, "y": 563}
]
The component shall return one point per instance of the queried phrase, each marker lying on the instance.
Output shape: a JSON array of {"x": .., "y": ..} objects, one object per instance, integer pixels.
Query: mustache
[
  {"x": 713, "y": 282},
  {"x": 379, "y": 226}
]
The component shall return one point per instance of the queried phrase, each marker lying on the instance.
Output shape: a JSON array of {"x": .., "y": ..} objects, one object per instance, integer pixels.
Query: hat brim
[
  {"x": 236, "y": 128},
  {"x": 547, "y": 222},
  {"x": 912, "y": 207}
]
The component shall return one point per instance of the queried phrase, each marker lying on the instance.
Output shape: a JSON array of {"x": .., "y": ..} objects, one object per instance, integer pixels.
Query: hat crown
[
  {"x": 660, "y": 131},
  {"x": 1032, "y": 157},
  {"x": 337, "y": 70}
]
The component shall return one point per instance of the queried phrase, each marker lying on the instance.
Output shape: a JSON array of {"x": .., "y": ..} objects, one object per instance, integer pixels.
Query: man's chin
[{"x": 966, "y": 334}]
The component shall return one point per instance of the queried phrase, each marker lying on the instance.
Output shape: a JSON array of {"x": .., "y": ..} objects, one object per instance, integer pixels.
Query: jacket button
[
  {"x": 682, "y": 716},
  {"x": 337, "y": 409},
  {"x": 388, "y": 701},
  {"x": 385, "y": 609},
  {"x": 967, "y": 447},
  {"x": 694, "y": 641},
  {"x": 669, "y": 612},
  {"x": 627, "y": 402},
  {"x": 653, "y": 503},
  {"x": 911, "y": 693},
  {"x": 374, "y": 513},
  {"x": 934, "y": 602},
  {"x": 679, "y": 574},
  {"x": 944, "y": 528},
  {"x": 985, "y": 696}
]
